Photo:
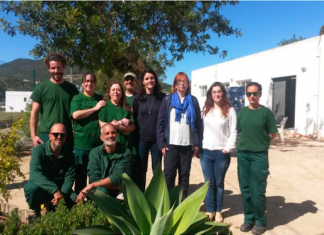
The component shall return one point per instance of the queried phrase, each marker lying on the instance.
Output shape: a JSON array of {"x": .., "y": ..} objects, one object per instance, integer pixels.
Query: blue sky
[{"x": 263, "y": 25}]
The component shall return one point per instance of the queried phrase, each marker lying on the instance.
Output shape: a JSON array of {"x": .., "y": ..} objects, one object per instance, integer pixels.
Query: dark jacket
[{"x": 163, "y": 124}]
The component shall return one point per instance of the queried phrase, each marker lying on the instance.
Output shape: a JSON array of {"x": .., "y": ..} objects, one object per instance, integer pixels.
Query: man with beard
[
  {"x": 84, "y": 111},
  {"x": 52, "y": 172},
  {"x": 107, "y": 163},
  {"x": 52, "y": 98},
  {"x": 130, "y": 84}
]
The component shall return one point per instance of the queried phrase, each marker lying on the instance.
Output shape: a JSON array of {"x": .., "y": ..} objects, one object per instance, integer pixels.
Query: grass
[{"x": 5, "y": 116}]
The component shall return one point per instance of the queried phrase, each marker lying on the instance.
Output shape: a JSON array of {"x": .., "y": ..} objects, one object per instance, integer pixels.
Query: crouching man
[
  {"x": 107, "y": 163},
  {"x": 52, "y": 172}
]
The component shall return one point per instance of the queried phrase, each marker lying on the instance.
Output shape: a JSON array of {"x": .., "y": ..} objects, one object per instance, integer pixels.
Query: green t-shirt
[
  {"x": 255, "y": 127},
  {"x": 110, "y": 112},
  {"x": 130, "y": 100},
  {"x": 86, "y": 130},
  {"x": 55, "y": 102}
]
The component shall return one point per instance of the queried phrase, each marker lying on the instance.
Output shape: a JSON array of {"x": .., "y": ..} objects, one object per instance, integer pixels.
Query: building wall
[
  {"x": 16, "y": 101},
  {"x": 282, "y": 61}
]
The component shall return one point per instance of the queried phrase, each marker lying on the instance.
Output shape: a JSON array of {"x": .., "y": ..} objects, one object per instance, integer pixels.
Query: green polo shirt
[
  {"x": 51, "y": 173},
  {"x": 102, "y": 165},
  {"x": 111, "y": 112},
  {"x": 130, "y": 100},
  {"x": 255, "y": 126},
  {"x": 86, "y": 130},
  {"x": 55, "y": 102}
]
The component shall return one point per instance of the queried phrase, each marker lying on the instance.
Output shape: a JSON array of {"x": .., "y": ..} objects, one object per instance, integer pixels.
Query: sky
[{"x": 263, "y": 24}]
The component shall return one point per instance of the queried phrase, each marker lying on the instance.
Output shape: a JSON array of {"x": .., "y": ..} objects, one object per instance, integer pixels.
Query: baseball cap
[{"x": 130, "y": 74}]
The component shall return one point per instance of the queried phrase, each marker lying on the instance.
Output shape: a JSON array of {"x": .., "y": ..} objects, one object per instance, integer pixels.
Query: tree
[
  {"x": 291, "y": 40},
  {"x": 119, "y": 35}
]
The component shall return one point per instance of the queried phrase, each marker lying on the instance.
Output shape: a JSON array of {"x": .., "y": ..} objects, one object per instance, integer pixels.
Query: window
[
  {"x": 203, "y": 91},
  {"x": 25, "y": 99}
]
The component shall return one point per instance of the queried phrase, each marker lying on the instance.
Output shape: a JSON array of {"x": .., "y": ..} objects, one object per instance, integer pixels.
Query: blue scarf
[{"x": 186, "y": 105}]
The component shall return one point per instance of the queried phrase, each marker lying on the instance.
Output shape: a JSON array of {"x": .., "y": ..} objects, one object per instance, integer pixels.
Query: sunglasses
[
  {"x": 56, "y": 135},
  {"x": 252, "y": 93}
]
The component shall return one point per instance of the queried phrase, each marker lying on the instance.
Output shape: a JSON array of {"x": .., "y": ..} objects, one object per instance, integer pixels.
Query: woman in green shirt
[
  {"x": 117, "y": 112},
  {"x": 257, "y": 127}
]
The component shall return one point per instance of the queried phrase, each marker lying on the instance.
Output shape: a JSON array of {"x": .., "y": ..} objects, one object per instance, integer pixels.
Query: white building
[
  {"x": 292, "y": 79},
  {"x": 16, "y": 101}
]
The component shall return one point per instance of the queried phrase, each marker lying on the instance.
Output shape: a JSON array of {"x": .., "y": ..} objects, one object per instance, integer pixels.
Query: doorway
[{"x": 284, "y": 99}]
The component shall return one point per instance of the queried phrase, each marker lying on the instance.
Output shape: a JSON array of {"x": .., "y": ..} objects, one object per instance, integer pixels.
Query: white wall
[
  {"x": 278, "y": 62},
  {"x": 16, "y": 100}
]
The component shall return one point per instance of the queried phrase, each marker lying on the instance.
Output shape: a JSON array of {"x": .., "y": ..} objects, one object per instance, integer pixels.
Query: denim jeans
[
  {"x": 142, "y": 159},
  {"x": 214, "y": 165}
]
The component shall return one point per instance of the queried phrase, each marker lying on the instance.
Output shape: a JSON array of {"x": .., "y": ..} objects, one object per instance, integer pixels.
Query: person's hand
[
  {"x": 195, "y": 152},
  {"x": 126, "y": 121},
  {"x": 81, "y": 195},
  {"x": 164, "y": 151},
  {"x": 224, "y": 151},
  {"x": 132, "y": 110},
  {"x": 116, "y": 123},
  {"x": 99, "y": 105},
  {"x": 36, "y": 140},
  {"x": 57, "y": 197}
]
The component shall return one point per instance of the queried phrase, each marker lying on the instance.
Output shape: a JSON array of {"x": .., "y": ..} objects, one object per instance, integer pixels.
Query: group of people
[{"x": 85, "y": 135}]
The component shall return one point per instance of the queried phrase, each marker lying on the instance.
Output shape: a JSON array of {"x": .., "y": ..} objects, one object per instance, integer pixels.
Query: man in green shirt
[
  {"x": 130, "y": 84},
  {"x": 107, "y": 163},
  {"x": 257, "y": 127},
  {"x": 52, "y": 172},
  {"x": 51, "y": 99},
  {"x": 84, "y": 111}
]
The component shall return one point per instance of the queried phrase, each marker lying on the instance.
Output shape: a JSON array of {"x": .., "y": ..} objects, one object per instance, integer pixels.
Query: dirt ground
[{"x": 295, "y": 201}]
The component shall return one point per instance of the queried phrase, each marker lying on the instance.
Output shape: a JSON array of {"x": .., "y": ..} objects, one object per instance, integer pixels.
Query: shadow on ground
[
  {"x": 17, "y": 185},
  {"x": 278, "y": 211}
]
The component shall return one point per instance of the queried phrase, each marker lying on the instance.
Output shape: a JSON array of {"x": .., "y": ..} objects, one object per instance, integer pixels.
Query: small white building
[
  {"x": 292, "y": 79},
  {"x": 16, "y": 101}
]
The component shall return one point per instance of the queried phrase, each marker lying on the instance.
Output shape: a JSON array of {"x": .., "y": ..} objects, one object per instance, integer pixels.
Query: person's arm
[
  {"x": 70, "y": 176},
  {"x": 33, "y": 121},
  {"x": 272, "y": 136},
  {"x": 232, "y": 118},
  {"x": 272, "y": 126},
  {"x": 160, "y": 127},
  {"x": 129, "y": 128},
  {"x": 81, "y": 114}
]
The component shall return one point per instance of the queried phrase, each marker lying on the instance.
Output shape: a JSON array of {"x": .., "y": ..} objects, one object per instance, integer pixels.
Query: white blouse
[
  {"x": 180, "y": 133},
  {"x": 220, "y": 132}
]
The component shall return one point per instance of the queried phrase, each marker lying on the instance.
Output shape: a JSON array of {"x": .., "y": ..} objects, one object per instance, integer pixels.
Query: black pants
[{"x": 178, "y": 158}]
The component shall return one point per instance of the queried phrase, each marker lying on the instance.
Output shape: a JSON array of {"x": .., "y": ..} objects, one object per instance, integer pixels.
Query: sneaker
[
  {"x": 219, "y": 217},
  {"x": 246, "y": 227},
  {"x": 257, "y": 229}
]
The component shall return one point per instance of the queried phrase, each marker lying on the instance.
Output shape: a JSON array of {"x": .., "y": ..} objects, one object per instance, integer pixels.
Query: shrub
[{"x": 153, "y": 212}]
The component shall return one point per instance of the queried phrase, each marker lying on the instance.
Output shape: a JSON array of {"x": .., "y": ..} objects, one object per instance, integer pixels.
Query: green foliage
[
  {"x": 153, "y": 212},
  {"x": 9, "y": 162},
  {"x": 114, "y": 35},
  {"x": 291, "y": 40},
  {"x": 62, "y": 221},
  {"x": 25, "y": 123}
]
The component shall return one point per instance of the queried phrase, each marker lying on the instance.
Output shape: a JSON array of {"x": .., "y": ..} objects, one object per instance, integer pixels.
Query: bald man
[
  {"x": 106, "y": 164},
  {"x": 52, "y": 172}
]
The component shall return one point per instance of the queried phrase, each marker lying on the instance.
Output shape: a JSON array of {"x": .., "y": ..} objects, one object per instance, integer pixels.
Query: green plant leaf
[
  {"x": 112, "y": 208},
  {"x": 207, "y": 228},
  {"x": 96, "y": 229},
  {"x": 187, "y": 211},
  {"x": 138, "y": 205},
  {"x": 175, "y": 196},
  {"x": 201, "y": 216},
  {"x": 156, "y": 192},
  {"x": 163, "y": 224}
]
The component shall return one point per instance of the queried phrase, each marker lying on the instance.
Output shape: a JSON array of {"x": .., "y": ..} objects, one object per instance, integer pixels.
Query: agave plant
[{"x": 154, "y": 212}]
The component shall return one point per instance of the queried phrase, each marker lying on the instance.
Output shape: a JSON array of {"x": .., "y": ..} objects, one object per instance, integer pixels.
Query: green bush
[
  {"x": 153, "y": 212},
  {"x": 62, "y": 221}
]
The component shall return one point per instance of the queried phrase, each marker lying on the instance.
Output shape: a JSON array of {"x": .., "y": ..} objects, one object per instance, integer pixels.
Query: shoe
[
  {"x": 219, "y": 217},
  {"x": 257, "y": 229},
  {"x": 246, "y": 227},
  {"x": 211, "y": 215}
]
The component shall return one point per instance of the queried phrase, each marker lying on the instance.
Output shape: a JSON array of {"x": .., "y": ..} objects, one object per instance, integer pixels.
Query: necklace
[{"x": 149, "y": 108}]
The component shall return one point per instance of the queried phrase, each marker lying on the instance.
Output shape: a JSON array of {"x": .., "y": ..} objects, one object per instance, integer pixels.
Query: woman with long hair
[
  {"x": 219, "y": 123},
  {"x": 117, "y": 112},
  {"x": 179, "y": 132},
  {"x": 146, "y": 108}
]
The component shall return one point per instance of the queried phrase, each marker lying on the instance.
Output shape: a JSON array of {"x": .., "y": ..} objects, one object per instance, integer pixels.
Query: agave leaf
[
  {"x": 176, "y": 195},
  {"x": 129, "y": 225},
  {"x": 163, "y": 224},
  {"x": 207, "y": 228},
  {"x": 112, "y": 208},
  {"x": 138, "y": 205},
  {"x": 201, "y": 216},
  {"x": 156, "y": 192},
  {"x": 187, "y": 211},
  {"x": 96, "y": 229}
]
